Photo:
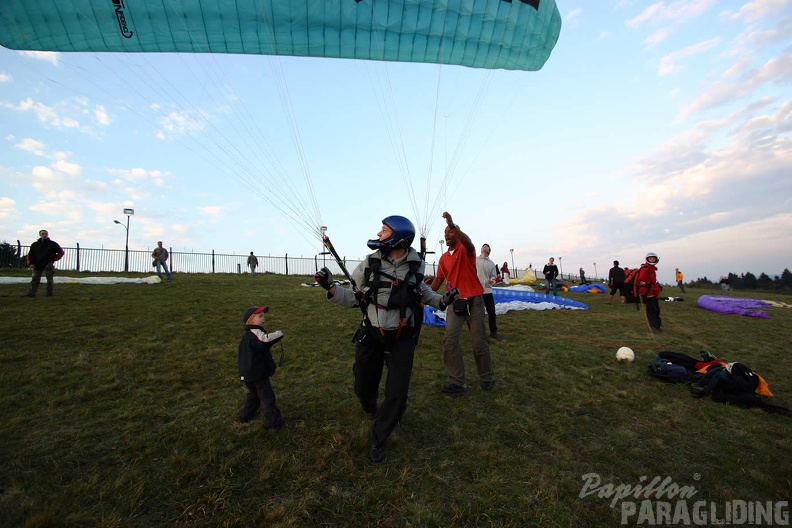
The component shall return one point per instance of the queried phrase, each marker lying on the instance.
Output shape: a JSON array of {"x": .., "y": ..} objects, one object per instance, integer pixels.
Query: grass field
[{"x": 119, "y": 408}]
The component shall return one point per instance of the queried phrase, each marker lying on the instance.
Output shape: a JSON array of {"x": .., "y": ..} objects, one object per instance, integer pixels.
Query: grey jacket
[
  {"x": 485, "y": 269},
  {"x": 381, "y": 317},
  {"x": 160, "y": 253}
]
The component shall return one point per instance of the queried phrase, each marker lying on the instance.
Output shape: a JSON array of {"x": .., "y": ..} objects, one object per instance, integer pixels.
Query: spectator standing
[
  {"x": 160, "y": 256},
  {"x": 616, "y": 277},
  {"x": 252, "y": 263},
  {"x": 582, "y": 277},
  {"x": 457, "y": 266},
  {"x": 41, "y": 258},
  {"x": 488, "y": 273},
  {"x": 505, "y": 273},
  {"x": 550, "y": 272},
  {"x": 679, "y": 279}
]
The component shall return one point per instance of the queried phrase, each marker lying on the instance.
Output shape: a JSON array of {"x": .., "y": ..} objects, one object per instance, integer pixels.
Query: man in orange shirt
[{"x": 457, "y": 266}]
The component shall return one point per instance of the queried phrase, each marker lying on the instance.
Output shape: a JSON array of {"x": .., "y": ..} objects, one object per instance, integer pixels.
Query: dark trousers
[
  {"x": 653, "y": 312},
  {"x": 489, "y": 304},
  {"x": 261, "y": 396},
  {"x": 372, "y": 355},
  {"x": 49, "y": 272}
]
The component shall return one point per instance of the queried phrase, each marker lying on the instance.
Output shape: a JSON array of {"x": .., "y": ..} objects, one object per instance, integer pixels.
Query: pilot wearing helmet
[
  {"x": 391, "y": 292},
  {"x": 649, "y": 291}
]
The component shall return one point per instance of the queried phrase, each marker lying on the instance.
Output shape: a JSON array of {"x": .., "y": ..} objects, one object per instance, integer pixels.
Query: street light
[
  {"x": 595, "y": 270},
  {"x": 561, "y": 267},
  {"x": 128, "y": 212},
  {"x": 514, "y": 271}
]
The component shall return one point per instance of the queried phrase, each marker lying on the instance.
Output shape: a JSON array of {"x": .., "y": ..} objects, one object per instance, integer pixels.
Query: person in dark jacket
[
  {"x": 550, "y": 272},
  {"x": 616, "y": 277},
  {"x": 41, "y": 258},
  {"x": 256, "y": 366}
]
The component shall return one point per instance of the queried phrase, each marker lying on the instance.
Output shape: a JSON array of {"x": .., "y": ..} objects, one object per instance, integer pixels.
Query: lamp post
[
  {"x": 514, "y": 271},
  {"x": 595, "y": 271},
  {"x": 561, "y": 267},
  {"x": 128, "y": 212}
]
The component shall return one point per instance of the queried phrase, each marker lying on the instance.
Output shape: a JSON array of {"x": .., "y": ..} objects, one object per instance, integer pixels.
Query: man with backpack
[
  {"x": 649, "y": 291},
  {"x": 388, "y": 287}
]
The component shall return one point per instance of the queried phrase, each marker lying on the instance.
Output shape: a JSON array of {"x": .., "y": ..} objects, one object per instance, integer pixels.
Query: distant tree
[
  {"x": 764, "y": 282},
  {"x": 786, "y": 279},
  {"x": 735, "y": 282},
  {"x": 748, "y": 281}
]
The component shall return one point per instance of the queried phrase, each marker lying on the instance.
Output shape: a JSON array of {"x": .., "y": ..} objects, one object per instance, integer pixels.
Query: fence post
[
  {"x": 19, "y": 254},
  {"x": 78, "y": 257},
  {"x": 287, "y": 263},
  {"x": 172, "y": 259},
  {"x": 213, "y": 262}
]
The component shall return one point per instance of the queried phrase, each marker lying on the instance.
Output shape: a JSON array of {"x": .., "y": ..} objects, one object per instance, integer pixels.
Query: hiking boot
[
  {"x": 453, "y": 388},
  {"x": 28, "y": 295},
  {"x": 376, "y": 453},
  {"x": 494, "y": 335},
  {"x": 487, "y": 385},
  {"x": 246, "y": 415},
  {"x": 277, "y": 426}
]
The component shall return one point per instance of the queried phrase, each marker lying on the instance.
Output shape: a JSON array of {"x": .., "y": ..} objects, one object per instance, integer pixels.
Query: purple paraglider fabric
[{"x": 734, "y": 305}]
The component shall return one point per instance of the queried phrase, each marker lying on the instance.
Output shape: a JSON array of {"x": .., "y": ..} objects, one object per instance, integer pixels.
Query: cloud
[
  {"x": 757, "y": 9},
  {"x": 101, "y": 115},
  {"x": 668, "y": 64},
  {"x": 31, "y": 145},
  {"x": 48, "y": 56},
  {"x": 573, "y": 14},
  {"x": 179, "y": 123},
  {"x": 4, "y": 77},
  {"x": 726, "y": 90},
  {"x": 698, "y": 183},
  {"x": 138, "y": 174},
  {"x": 215, "y": 210},
  {"x": 668, "y": 18},
  {"x": 72, "y": 169},
  {"x": 7, "y": 207}
]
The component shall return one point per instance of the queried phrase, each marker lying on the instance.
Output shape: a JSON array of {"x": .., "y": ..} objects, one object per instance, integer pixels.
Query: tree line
[{"x": 749, "y": 281}]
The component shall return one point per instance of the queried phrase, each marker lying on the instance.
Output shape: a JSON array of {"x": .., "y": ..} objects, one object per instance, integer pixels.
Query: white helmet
[{"x": 650, "y": 255}]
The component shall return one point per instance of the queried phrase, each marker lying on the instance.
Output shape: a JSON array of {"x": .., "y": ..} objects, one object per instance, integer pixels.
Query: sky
[{"x": 653, "y": 126}]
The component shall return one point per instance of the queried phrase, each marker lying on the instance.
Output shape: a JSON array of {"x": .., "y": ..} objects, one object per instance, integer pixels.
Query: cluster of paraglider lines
[{"x": 247, "y": 156}]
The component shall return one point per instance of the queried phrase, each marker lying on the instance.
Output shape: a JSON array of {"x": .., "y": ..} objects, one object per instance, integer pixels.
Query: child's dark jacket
[{"x": 255, "y": 359}]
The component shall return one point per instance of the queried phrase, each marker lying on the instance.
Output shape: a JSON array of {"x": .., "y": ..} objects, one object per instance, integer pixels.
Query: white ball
[{"x": 625, "y": 354}]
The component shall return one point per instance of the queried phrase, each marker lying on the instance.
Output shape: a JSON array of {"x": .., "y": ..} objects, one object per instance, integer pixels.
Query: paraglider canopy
[{"x": 512, "y": 35}]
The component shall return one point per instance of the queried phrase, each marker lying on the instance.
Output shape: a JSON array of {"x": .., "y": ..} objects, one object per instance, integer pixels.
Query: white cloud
[
  {"x": 72, "y": 169},
  {"x": 101, "y": 115},
  {"x": 668, "y": 64},
  {"x": 47, "y": 56},
  {"x": 756, "y": 9},
  {"x": 574, "y": 14},
  {"x": 4, "y": 77},
  {"x": 7, "y": 207},
  {"x": 776, "y": 70},
  {"x": 178, "y": 123},
  {"x": 31, "y": 145},
  {"x": 215, "y": 210}
]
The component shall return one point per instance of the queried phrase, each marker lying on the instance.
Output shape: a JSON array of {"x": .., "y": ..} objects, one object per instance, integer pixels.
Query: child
[{"x": 256, "y": 365}]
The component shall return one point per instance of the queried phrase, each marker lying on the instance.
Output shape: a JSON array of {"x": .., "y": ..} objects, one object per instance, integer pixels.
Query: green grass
[{"x": 119, "y": 408}]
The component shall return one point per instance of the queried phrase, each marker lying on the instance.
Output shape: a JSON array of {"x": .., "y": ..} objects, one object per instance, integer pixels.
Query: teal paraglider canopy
[{"x": 496, "y": 34}]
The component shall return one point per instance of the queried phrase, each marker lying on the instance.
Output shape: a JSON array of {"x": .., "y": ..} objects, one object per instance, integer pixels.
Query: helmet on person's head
[
  {"x": 402, "y": 236},
  {"x": 652, "y": 255}
]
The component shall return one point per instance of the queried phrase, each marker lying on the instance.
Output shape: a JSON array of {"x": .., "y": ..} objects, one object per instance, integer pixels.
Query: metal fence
[{"x": 113, "y": 260}]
